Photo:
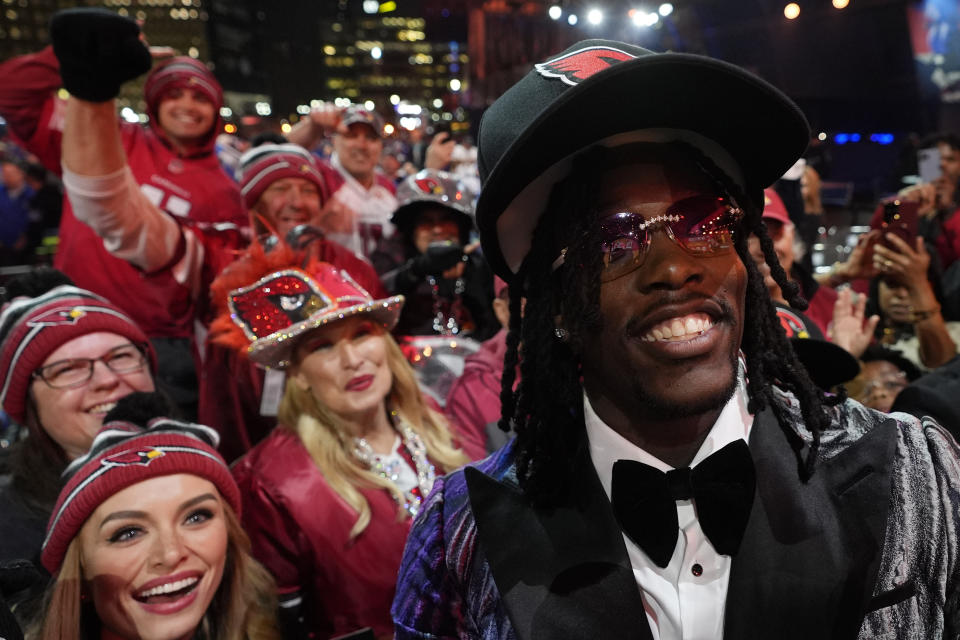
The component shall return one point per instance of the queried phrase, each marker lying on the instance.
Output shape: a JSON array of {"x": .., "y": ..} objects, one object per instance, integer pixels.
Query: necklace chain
[
  {"x": 389, "y": 469},
  {"x": 445, "y": 312}
]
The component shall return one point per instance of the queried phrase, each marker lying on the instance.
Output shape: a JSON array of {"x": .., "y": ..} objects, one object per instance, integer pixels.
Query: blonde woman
[
  {"x": 330, "y": 494},
  {"x": 145, "y": 542}
]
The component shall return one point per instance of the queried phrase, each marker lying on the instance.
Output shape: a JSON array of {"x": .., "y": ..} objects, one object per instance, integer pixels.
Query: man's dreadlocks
[{"x": 546, "y": 409}]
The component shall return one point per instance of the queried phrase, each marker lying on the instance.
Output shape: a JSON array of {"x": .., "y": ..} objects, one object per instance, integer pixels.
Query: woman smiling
[
  {"x": 329, "y": 495},
  {"x": 145, "y": 543},
  {"x": 66, "y": 357}
]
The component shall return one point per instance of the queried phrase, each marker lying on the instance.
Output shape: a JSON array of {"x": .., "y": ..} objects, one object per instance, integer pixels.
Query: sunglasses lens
[
  {"x": 706, "y": 224},
  {"x": 703, "y": 225},
  {"x": 623, "y": 242}
]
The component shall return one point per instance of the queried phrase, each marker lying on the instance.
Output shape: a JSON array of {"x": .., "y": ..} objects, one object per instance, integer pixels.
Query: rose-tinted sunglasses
[{"x": 701, "y": 225}]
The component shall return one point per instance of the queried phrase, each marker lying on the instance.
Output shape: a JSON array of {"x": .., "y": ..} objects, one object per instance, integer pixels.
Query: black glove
[
  {"x": 98, "y": 51},
  {"x": 438, "y": 257}
]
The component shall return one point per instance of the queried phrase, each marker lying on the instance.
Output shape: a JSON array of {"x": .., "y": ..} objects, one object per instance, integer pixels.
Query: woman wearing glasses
[{"x": 66, "y": 357}]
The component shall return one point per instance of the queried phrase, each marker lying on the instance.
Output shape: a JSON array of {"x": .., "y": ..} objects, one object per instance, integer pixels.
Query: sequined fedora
[{"x": 279, "y": 307}]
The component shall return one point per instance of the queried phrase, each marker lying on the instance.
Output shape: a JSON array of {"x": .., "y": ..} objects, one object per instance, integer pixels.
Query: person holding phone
[
  {"x": 938, "y": 198},
  {"x": 906, "y": 299},
  {"x": 447, "y": 284}
]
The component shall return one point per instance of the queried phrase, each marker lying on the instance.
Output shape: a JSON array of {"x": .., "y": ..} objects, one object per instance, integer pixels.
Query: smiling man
[
  {"x": 171, "y": 159},
  {"x": 362, "y": 198},
  {"x": 675, "y": 473}
]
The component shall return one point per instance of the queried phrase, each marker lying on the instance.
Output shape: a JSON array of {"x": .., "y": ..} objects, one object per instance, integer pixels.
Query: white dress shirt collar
[{"x": 607, "y": 446}]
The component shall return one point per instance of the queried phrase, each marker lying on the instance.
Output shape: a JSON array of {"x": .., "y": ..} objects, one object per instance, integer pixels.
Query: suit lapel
[
  {"x": 811, "y": 552},
  {"x": 563, "y": 573}
]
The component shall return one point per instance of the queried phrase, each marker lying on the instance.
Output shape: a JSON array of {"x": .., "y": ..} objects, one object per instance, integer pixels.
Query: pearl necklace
[{"x": 426, "y": 473}]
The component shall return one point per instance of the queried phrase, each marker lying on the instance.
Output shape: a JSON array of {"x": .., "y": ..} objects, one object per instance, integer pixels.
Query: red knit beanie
[
  {"x": 33, "y": 328},
  {"x": 262, "y": 166},
  {"x": 122, "y": 455},
  {"x": 180, "y": 72}
]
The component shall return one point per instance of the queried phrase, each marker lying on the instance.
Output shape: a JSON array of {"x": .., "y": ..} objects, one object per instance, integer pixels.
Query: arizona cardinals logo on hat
[
  {"x": 142, "y": 456},
  {"x": 575, "y": 67},
  {"x": 429, "y": 185},
  {"x": 59, "y": 316},
  {"x": 792, "y": 324},
  {"x": 277, "y": 301}
]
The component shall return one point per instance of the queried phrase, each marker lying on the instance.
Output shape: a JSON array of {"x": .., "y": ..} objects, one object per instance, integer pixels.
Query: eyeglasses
[
  {"x": 701, "y": 225},
  {"x": 76, "y": 372},
  {"x": 891, "y": 384}
]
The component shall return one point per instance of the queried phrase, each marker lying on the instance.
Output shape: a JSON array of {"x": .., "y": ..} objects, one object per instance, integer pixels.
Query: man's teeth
[
  {"x": 170, "y": 587},
  {"x": 679, "y": 329},
  {"x": 103, "y": 407}
]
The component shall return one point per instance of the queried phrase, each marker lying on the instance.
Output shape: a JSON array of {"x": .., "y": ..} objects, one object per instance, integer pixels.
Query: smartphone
[
  {"x": 928, "y": 164},
  {"x": 902, "y": 219}
]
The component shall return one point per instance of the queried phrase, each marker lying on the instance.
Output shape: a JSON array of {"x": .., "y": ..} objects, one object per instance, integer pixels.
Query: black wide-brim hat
[
  {"x": 597, "y": 89},
  {"x": 828, "y": 364}
]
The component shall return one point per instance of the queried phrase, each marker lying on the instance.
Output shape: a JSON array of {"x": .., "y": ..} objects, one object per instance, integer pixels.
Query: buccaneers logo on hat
[
  {"x": 575, "y": 67},
  {"x": 142, "y": 456}
]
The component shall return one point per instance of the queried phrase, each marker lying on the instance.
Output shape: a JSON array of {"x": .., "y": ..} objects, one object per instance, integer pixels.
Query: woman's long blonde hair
[
  {"x": 330, "y": 444},
  {"x": 243, "y": 608}
]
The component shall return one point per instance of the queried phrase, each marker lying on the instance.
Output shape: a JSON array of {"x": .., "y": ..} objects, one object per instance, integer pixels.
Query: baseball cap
[
  {"x": 773, "y": 207},
  {"x": 828, "y": 364},
  {"x": 355, "y": 113}
]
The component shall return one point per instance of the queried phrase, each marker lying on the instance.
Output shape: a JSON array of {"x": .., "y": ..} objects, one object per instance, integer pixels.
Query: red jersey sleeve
[{"x": 29, "y": 104}]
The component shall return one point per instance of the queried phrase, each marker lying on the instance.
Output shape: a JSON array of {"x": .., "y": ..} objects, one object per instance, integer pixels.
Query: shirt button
[{"x": 696, "y": 570}]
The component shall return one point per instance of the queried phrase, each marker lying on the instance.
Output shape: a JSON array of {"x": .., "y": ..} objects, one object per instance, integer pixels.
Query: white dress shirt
[{"x": 686, "y": 599}]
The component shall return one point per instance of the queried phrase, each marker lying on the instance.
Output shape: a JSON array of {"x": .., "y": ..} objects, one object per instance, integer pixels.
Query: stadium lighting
[
  {"x": 665, "y": 9},
  {"x": 555, "y": 12},
  {"x": 595, "y": 16}
]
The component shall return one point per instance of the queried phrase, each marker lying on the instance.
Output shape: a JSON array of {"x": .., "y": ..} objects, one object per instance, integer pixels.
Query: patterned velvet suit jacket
[{"x": 867, "y": 548}]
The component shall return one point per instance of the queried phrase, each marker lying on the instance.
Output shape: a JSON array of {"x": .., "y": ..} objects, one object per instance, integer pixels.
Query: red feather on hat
[{"x": 254, "y": 264}]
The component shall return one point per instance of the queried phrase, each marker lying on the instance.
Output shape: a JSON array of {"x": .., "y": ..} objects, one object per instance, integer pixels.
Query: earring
[{"x": 561, "y": 333}]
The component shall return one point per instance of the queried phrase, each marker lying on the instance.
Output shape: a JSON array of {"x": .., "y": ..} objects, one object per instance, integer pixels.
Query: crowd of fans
[{"x": 274, "y": 290}]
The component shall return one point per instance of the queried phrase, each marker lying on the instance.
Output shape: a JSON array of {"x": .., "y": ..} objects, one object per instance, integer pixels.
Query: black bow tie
[{"x": 722, "y": 486}]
